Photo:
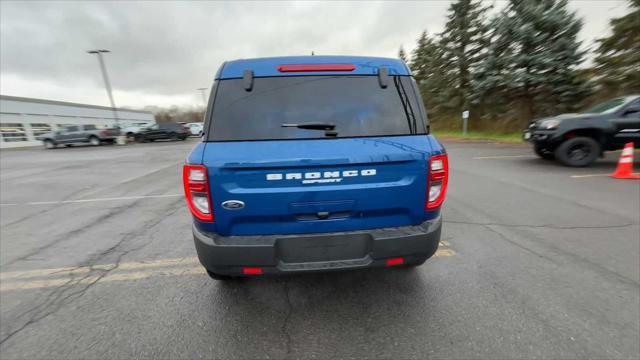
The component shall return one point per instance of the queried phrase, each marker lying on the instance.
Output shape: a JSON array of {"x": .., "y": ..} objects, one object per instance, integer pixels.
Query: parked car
[
  {"x": 579, "y": 139},
  {"x": 315, "y": 163},
  {"x": 170, "y": 131},
  {"x": 79, "y": 134},
  {"x": 131, "y": 131},
  {"x": 195, "y": 128}
]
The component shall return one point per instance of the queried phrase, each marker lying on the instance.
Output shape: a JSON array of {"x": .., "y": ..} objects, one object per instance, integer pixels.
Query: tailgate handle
[{"x": 323, "y": 215}]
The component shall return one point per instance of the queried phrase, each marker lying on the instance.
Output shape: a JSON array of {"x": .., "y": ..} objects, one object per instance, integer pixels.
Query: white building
[{"x": 22, "y": 119}]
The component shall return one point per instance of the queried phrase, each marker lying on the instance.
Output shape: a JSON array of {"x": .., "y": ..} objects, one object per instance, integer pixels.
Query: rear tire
[
  {"x": 219, "y": 277},
  {"x": 578, "y": 151},
  {"x": 94, "y": 141},
  {"x": 173, "y": 136},
  {"x": 544, "y": 153},
  {"x": 49, "y": 144}
]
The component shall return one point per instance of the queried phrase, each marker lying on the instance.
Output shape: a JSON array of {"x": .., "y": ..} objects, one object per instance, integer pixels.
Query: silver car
[{"x": 79, "y": 134}]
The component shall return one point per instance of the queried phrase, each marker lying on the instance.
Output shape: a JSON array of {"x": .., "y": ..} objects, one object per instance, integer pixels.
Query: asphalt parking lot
[{"x": 97, "y": 261}]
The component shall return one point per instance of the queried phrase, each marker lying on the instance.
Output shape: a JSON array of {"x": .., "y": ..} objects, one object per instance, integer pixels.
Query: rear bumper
[{"x": 317, "y": 252}]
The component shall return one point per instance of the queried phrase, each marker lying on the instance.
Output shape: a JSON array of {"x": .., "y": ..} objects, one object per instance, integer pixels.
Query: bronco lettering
[{"x": 324, "y": 177}]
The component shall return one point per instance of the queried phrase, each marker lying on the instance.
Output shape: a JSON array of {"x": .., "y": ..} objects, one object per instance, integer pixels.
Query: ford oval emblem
[{"x": 233, "y": 204}]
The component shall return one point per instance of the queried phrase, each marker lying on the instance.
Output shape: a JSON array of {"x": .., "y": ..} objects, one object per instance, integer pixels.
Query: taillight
[
  {"x": 438, "y": 178},
  {"x": 197, "y": 191}
]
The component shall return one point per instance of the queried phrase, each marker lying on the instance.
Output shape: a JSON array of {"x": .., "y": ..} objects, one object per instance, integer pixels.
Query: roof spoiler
[
  {"x": 247, "y": 79},
  {"x": 383, "y": 76}
]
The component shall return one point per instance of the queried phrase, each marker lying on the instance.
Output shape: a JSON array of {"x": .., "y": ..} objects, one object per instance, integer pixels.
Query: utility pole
[
  {"x": 107, "y": 84},
  {"x": 204, "y": 97}
]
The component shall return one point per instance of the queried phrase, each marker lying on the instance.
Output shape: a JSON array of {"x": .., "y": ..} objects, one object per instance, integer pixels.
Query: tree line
[
  {"x": 523, "y": 63},
  {"x": 177, "y": 113}
]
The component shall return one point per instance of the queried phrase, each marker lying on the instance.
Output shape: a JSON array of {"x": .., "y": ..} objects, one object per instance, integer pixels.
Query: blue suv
[{"x": 314, "y": 163}]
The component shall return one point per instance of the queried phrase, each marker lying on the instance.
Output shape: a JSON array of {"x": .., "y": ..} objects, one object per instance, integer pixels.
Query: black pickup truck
[{"x": 579, "y": 139}]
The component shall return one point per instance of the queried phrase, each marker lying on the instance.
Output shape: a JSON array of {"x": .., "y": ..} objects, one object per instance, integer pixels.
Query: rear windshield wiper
[
  {"x": 312, "y": 126},
  {"x": 327, "y": 127}
]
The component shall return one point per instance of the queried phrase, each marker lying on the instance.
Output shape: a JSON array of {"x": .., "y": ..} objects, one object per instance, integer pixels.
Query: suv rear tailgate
[{"x": 310, "y": 186}]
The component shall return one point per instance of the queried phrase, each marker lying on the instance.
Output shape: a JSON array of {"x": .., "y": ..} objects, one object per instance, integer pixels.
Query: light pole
[
  {"x": 107, "y": 84},
  {"x": 204, "y": 98}
]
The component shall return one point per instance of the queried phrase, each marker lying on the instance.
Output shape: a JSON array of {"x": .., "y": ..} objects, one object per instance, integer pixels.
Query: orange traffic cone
[{"x": 625, "y": 164}]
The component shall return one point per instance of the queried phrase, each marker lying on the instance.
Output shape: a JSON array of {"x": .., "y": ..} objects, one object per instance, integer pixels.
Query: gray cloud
[{"x": 162, "y": 51}]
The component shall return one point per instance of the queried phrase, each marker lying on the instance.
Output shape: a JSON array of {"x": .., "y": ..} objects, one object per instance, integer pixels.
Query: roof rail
[
  {"x": 247, "y": 78},
  {"x": 383, "y": 76}
]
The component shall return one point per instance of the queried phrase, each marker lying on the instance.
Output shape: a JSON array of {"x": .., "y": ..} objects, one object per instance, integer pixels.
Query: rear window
[{"x": 356, "y": 105}]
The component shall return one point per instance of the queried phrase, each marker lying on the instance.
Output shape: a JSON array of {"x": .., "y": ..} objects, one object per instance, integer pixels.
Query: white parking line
[
  {"x": 588, "y": 175},
  {"x": 93, "y": 200},
  {"x": 501, "y": 157}
]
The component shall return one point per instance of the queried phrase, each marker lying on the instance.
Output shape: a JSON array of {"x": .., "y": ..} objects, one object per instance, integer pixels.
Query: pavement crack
[
  {"x": 604, "y": 271},
  {"x": 285, "y": 323},
  {"x": 76, "y": 287},
  {"x": 547, "y": 226},
  {"x": 505, "y": 238},
  {"x": 77, "y": 231},
  {"x": 61, "y": 296}
]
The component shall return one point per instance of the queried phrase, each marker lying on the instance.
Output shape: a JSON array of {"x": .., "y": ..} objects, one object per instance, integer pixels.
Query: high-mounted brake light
[
  {"x": 437, "y": 182},
  {"x": 196, "y": 191},
  {"x": 316, "y": 67}
]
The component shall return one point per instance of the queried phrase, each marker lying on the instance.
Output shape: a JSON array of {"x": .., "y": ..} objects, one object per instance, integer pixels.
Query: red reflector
[
  {"x": 316, "y": 67},
  {"x": 252, "y": 271},
  {"x": 394, "y": 261},
  {"x": 198, "y": 187}
]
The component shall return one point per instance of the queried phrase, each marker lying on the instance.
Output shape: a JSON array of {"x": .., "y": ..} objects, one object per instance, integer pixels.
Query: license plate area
[{"x": 323, "y": 248}]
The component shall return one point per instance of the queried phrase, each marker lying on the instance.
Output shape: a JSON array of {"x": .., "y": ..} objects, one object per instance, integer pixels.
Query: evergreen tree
[
  {"x": 421, "y": 57},
  {"x": 618, "y": 55},
  {"x": 464, "y": 42},
  {"x": 533, "y": 58},
  {"x": 427, "y": 65},
  {"x": 402, "y": 55}
]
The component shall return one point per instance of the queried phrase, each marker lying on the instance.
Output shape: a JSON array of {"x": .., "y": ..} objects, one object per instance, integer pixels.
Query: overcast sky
[{"x": 162, "y": 52}]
